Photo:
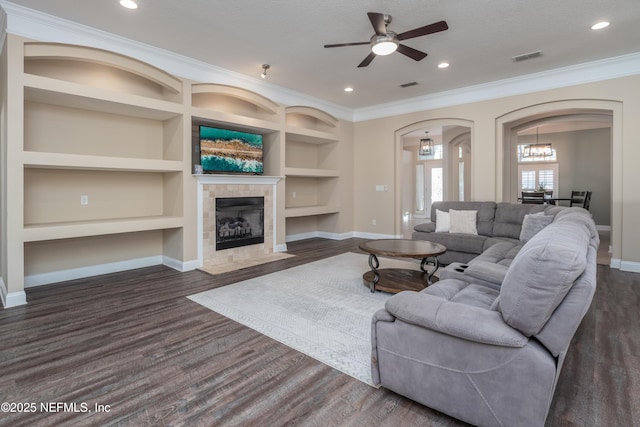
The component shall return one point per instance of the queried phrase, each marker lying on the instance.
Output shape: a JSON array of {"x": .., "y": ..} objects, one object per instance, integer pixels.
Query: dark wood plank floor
[{"x": 133, "y": 341}]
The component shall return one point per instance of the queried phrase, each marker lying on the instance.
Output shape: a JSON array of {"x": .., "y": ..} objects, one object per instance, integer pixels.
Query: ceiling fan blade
[
  {"x": 411, "y": 52},
  {"x": 367, "y": 60},
  {"x": 377, "y": 20},
  {"x": 345, "y": 44},
  {"x": 423, "y": 31}
]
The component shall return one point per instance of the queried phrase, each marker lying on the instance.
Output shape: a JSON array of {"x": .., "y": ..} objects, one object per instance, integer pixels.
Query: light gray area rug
[{"x": 321, "y": 309}]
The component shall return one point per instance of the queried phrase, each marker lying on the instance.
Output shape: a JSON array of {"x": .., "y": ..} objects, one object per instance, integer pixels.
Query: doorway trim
[
  {"x": 508, "y": 121},
  {"x": 398, "y": 135}
]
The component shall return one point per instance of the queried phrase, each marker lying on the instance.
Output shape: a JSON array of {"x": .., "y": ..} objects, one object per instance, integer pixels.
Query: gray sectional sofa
[
  {"x": 487, "y": 342},
  {"x": 496, "y": 222}
]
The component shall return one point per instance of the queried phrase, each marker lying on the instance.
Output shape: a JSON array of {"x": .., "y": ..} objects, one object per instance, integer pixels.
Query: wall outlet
[
  {"x": 84, "y": 200},
  {"x": 294, "y": 195},
  {"x": 374, "y": 222}
]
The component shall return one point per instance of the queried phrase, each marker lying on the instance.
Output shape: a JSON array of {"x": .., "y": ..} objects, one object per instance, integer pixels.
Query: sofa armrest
[
  {"x": 486, "y": 271},
  {"x": 463, "y": 321},
  {"x": 425, "y": 227}
]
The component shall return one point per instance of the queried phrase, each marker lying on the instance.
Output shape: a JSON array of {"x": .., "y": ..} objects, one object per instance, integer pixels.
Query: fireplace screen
[{"x": 239, "y": 221}]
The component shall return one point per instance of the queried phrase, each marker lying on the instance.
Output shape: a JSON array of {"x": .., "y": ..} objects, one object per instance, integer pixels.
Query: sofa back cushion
[
  {"x": 509, "y": 217},
  {"x": 484, "y": 218},
  {"x": 542, "y": 273}
]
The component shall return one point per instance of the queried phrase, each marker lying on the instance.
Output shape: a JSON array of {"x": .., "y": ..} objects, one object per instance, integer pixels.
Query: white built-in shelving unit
[
  {"x": 99, "y": 160},
  {"x": 310, "y": 162}
]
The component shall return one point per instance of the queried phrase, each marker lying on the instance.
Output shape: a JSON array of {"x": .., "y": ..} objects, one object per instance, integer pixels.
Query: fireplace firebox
[{"x": 239, "y": 221}]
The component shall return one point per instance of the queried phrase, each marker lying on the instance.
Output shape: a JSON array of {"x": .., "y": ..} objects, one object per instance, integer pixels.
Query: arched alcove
[
  {"x": 452, "y": 133},
  {"x": 554, "y": 113}
]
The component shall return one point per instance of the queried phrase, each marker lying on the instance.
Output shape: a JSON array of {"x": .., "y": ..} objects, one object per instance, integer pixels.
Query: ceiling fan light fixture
[
  {"x": 384, "y": 45},
  {"x": 600, "y": 25},
  {"x": 129, "y": 4}
]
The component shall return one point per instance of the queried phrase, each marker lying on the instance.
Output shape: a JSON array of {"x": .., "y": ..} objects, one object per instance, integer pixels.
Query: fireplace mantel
[
  {"x": 232, "y": 186},
  {"x": 237, "y": 179}
]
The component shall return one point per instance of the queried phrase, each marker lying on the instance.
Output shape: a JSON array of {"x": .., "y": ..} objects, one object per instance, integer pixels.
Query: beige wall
[
  {"x": 377, "y": 153},
  {"x": 584, "y": 163}
]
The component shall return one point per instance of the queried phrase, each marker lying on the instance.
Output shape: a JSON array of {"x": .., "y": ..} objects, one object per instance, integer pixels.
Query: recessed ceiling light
[
  {"x": 600, "y": 25},
  {"x": 348, "y": 89},
  {"x": 129, "y": 4},
  {"x": 443, "y": 65}
]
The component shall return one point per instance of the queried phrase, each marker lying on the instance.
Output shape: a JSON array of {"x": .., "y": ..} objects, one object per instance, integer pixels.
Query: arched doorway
[
  {"x": 559, "y": 115},
  {"x": 420, "y": 180}
]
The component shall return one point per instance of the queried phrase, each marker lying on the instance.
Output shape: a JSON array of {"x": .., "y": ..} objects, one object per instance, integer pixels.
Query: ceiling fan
[{"x": 385, "y": 42}]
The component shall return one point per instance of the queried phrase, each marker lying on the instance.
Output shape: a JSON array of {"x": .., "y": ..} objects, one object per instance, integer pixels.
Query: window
[
  {"x": 534, "y": 177},
  {"x": 420, "y": 190},
  {"x": 535, "y": 173},
  {"x": 460, "y": 180},
  {"x": 437, "y": 153}
]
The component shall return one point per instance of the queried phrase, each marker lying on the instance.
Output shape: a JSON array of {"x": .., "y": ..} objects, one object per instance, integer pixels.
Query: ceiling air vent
[
  {"x": 526, "y": 56},
  {"x": 408, "y": 84}
]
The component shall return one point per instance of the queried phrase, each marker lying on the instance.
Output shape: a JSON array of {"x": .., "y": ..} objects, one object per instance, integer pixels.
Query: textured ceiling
[{"x": 483, "y": 35}]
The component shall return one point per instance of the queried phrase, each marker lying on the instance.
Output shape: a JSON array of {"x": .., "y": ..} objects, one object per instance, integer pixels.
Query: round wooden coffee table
[{"x": 401, "y": 279}]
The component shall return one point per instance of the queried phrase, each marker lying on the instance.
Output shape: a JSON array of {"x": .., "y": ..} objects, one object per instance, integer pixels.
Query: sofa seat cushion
[
  {"x": 542, "y": 273},
  {"x": 500, "y": 251},
  {"x": 457, "y": 308},
  {"x": 459, "y": 242},
  {"x": 463, "y": 292}
]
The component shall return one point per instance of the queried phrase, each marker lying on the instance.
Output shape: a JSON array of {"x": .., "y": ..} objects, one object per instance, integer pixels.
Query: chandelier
[
  {"x": 426, "y": 146},
  {"x": 537, "y": 149}
]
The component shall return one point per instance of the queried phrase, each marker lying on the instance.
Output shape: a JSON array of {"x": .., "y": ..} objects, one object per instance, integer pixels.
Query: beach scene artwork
[{"x": 224, "y": 150}]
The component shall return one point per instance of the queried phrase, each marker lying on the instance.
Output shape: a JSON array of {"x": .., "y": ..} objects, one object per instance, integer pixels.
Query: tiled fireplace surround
[{"x": 212, "y": 186}]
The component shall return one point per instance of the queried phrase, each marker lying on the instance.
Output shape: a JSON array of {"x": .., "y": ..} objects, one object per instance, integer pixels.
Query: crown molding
[
  {"x": 36, "y": 25},
  {"x": 588, "y": 72},
  {"x": 40, "y": 26}
]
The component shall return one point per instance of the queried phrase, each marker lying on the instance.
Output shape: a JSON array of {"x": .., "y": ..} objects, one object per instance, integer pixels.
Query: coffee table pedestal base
[{"x": 396, "y": 280}]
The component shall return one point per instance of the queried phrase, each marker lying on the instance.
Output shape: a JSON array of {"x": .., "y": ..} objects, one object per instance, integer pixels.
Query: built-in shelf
[
  {"x": 37, "y": 159},
  {"x": 103, "y": 157},
  {"x": 236, "y": 121},
  {"x": 311, "y": 157},
  {"x": 309, "y": 211},
  {"x": 66, "y": 230},
  {"x": 46, "y": 90},
  {"x": 312, "y": 173},
  {"x": 78, "y": 57},
  {"x": 310, "y": 136}
]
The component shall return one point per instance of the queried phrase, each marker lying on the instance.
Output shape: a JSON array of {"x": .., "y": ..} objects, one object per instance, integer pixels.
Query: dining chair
[
  {"x": 587, "y": 200},
  {"x": 533, "y": 197},
  {"x": 581, "y": 199}
]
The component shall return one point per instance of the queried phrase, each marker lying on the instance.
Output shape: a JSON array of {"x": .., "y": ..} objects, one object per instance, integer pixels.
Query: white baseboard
[
  {"x": 321, "y": 234},
  {"x": 14, "y": 299},
  {"x": 340, "y": 236},
  {"x": 375, "y": 235},
  {"x": 633, "y": 267},
  {"x": 181, "y": 266},
  {"x": 113, "y": 267},
  {"x": 11, "y": 299}
]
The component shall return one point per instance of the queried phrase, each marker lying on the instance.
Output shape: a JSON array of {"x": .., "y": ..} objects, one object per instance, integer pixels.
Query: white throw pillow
[
  {"x": 443, "y": 221},
  {"x": 463, "y": 221}
]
